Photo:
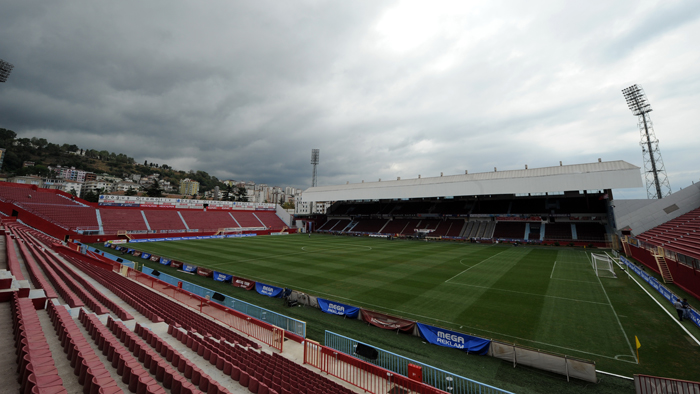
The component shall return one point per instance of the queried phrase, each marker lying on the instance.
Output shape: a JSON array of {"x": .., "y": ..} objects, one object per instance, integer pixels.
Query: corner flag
[{"x": 637, "y": 341}]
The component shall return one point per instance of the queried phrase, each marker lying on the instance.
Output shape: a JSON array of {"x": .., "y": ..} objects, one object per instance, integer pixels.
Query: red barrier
[
  {"x": 645, "y": 384},
  {"x": 684, "y": 276},
  {"x": 364, "y": 375}
]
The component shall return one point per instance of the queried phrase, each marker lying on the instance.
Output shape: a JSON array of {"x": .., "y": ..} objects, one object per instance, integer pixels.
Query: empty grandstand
[
  {"x": 134, "y": 216},
  {"x": 564, "y": 204}
]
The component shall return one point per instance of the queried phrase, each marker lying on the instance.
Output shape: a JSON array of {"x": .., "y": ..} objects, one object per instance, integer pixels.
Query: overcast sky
[{"x": 245, "y": 89}]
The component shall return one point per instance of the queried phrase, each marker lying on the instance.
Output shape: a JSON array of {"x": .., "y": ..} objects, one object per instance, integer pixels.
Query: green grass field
[{"x": 542, "y": 297}]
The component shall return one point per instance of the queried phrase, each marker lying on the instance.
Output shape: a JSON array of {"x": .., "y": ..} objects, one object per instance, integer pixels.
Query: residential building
[
  {"x": 70, "y": 173},
  {"x": 302, "y": 207},
  {"x": 123, "y": 186},
  {"x": 27, "y": 180},
  {"x": 97, "y": 187},
  {"x": 189, "y": 187},
  {"x": 72, "y": 187}
]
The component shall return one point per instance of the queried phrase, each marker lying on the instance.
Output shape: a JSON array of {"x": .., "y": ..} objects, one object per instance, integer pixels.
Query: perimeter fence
[{"x": 438, "y": 378}]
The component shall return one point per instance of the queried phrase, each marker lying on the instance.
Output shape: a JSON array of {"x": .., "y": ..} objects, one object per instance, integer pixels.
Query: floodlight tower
[
  {"x": 5, "y": 69},
  {"x": 314, "y": 162},
  {"x": 654, "y": 171}
]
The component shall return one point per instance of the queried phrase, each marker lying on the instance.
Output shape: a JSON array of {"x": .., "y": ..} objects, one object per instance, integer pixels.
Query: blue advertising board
[
  {"x": 666, "y": 293},
  {"x": 221, "y": 277},
  {"x": 336, "y": 308},
  {"x": 442, "y": 337},
  {"x": 192, "y": 238},
  {"x": 268, "y": 290}
]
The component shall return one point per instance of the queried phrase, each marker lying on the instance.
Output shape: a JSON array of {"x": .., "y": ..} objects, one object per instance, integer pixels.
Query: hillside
[{"x": 45, "y": 154}]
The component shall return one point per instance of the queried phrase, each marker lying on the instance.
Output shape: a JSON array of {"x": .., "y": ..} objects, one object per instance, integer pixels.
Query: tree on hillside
[
  {"x": 241, "y": 194},
  {"x": 288, "y": 205},
  {"x": 228, "y": 194},
  {"x": 130, "y": 192},
  {"x": 7, "y": 137},
  {"x": 154, "y": 190},
  {"x": 92, "y": 196},
  {"x": 39, "y": 142}
]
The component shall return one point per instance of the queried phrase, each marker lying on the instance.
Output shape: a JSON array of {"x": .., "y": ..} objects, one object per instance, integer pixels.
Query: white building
[
  {"x": 124, "y": 186},
  {"x": 27, "y": 180},
  {"x": 302, "y": 207},
  {"x": 95, "y": 186},
  {"x": 72, "y": 187}
]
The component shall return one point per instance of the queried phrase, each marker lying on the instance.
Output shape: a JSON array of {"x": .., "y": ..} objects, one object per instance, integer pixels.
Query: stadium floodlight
[
  {"x": 5, "y": 69},
  {"x": 602, "y": 265},
  {"x": 654, "y": 172},
  {"x": 314, "y": 162}
]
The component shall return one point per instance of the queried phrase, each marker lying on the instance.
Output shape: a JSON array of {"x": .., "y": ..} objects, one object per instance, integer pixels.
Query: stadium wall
[
  {"x": 35, "y": 221},
  {"x": 643, "y": 215},
  {"x": 684, "y": 277}
]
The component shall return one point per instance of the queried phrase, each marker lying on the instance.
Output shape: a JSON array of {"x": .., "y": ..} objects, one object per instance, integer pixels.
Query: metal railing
[
  {"x": 262, "y": 331},
  {"x": 645, "y": 384},
  {"x": 368, "y": 377},
  {"x": 438, "y": 378},
  {"x": 286, "y": 323}
]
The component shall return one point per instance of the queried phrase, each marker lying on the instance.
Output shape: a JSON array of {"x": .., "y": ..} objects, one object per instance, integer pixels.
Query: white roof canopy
[{"x": 592, "y": 176}]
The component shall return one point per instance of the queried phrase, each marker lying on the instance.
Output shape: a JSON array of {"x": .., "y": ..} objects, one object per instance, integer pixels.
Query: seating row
[
  {"x": 155, "y": 349},
  {"x": 90, "y": 370},
  {"x": 217, "y": 357},
  {"x": 11, "y": 254},
  {"x": 35, "y": 365},
  {"x": 35, "y": 274},
  {"x": 157, "y": 307},
  {"x": 60, "y": 278},
  {"x": 25, "y": 193},
  {"x": 59, "y": 285},
  {"x": 272, "y": 372},
  {"x": 115, "y": 285},
  {"x": 158, "y": 366},
  {"x": 132, "y": 373},
  {"x": 680, "y": 234},
  {"x": 90, "y": 301}
]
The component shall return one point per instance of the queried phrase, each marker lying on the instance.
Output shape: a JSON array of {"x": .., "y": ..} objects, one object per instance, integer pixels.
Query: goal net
[{"x": 602, "y": 265}]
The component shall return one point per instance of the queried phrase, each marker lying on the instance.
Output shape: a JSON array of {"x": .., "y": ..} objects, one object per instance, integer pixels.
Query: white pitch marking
[
  {"x": 482, "y": 261},
  {"x": 572, "y": 280},
  {"x": 452, "y": 323},
  {"x": 552, "y": 274},
  {"x": 614, "y": 313},
  {"x": 661, "y": 306},
  {"x": 531, "y": 294}
]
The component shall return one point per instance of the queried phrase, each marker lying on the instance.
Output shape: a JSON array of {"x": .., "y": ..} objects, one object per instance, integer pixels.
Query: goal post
[{"x": 602, "y": 265}]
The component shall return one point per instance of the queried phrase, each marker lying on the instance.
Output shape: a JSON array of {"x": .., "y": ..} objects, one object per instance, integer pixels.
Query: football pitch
[{"x": 542, "y": 297}]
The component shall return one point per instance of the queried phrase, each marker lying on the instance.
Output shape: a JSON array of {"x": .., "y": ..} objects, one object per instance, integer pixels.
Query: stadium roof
[{"x": 591, "y": 176}]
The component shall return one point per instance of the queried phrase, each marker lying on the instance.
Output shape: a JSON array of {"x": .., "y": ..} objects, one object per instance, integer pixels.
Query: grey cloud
[{"x": 246, "y": 90}]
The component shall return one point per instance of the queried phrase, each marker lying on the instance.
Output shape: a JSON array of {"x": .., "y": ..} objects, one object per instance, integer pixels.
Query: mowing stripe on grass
[
  {"x": 614, "y": 313},
  {"x": 530, "y": 294},
  {"x": 405, "y": 314},
  {"x": 482, "y": 261},
  {"x": 554, "y": 266}
]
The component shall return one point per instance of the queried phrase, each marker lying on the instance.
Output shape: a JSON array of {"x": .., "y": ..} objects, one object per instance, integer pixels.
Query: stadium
[{"x": 517, "y": 281}]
